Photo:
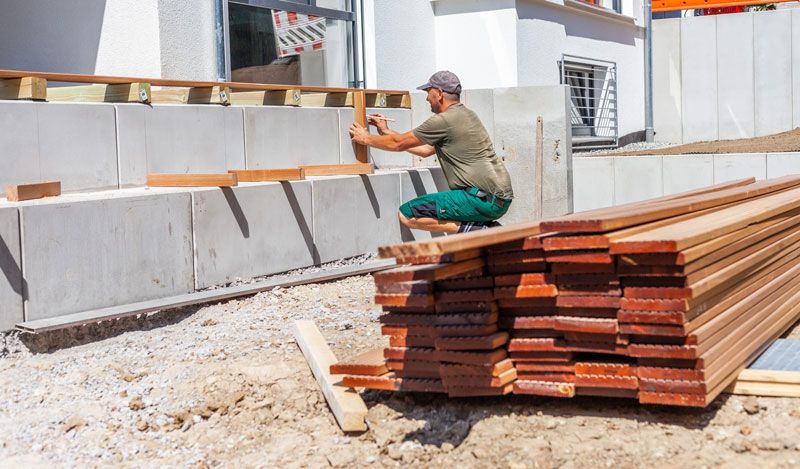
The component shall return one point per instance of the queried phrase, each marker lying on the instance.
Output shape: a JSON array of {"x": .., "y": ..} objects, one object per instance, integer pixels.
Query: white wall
[
  {"x": 726, "y": 76},
  {"x": 188, "y": 42}
]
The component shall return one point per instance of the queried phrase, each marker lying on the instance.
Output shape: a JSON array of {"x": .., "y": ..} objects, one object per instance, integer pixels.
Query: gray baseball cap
[{"x": 444, "y": 80}]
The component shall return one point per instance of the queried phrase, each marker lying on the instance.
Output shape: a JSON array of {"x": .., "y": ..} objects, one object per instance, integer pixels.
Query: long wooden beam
[
  {"x": 119, "y": 93},
  {"x": 338, "y": 169},
  {"x": 191, "y": 180},
  {"x": 268, "y": 175}
]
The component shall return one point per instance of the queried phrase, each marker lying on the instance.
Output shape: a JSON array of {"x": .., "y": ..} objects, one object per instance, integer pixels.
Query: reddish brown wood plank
[
  {"x": 489, "y": 342},
  {"x": 369, "y": 363},
  {"x": 427, "y": 271},
  {"x": 526, "y": 291},
  {"x": 544, "y": 388},
  {"x": 582, "y": 257}
]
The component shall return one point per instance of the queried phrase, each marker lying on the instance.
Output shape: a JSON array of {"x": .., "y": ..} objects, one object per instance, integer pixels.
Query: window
[
  {"x": 593, "y": 94},
  {"x": 293, "y": 42},
  {"x": 615, "y": 5}
]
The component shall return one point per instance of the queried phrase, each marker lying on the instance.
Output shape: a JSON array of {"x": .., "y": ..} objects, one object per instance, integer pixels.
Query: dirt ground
[
  {"x": 224, "y": 385},
  {"x": 782, "y": 142}
]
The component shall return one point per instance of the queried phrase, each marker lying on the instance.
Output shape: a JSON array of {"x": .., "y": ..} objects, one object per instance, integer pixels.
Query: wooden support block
[
  {"x": 346, "y": 405},
  {"x": 191, "y": 180},
  {"x": 24, "y": 88},
  {"x": 19, "y": 192},
  {"x": 327, "y": 99},
  {"x": 119, "y": 93},
  {"x": 360, "y": 105},
  {"x": 369, "y": 363},
  {"x": 196, "y": 95},
  {"x": 376, "y": 99},
  {"x": 266, "y": 175},
  {"x": 291, "y": 97},
  {"x": 398, "y": 100},
  {"x": 339, "y": 169}
]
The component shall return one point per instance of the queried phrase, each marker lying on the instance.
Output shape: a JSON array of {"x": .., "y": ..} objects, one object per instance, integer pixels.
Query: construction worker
[{"x": 479, "y": 182}]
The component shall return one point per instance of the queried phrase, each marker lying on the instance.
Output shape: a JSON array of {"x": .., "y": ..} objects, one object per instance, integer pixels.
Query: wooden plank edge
[
  {"x": 347, "y": 406},
  {"x": 191, "y": 180},
  {"x": 36, "y": 190},
  {"x": 209, "y": 296}
]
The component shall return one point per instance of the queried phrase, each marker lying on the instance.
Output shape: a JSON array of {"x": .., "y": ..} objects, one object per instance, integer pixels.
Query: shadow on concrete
[
  {"x": 11, "y": 271},
  {"x": 449, "y": 420},
  {"x": 236, "y": 209},
  {"x": 308, "y": 234},
  {"x": 373, "y": 199}
]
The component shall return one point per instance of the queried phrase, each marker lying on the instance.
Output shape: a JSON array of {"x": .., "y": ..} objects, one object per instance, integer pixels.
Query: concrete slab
[
  {"x": 773, "y": 71},
  {"x": 637, "y": 178},
  {"x": 402, "y": 123},
  {"x": 593, "y": 182},
  {"x": 87, "y": 252},
  {"x": 698, "y": 92},
  {"x": 77, "y": 145},
  {"x": 796, "y": 67},
  {"x": 782, "y": 164},
  {"x": 667, "y": 115},
  {"x": 515, "y": 113},
  {"x": 736, "y": 98},
  {"x": 252, "y": 230},
  {"x": 19, "y": 143},
  {"x": 178, "y": 139},
  {"x": 11, "y": 268},
  {"x": 354, "y": 215},
  {"x": 728, "y": 167},
  {"x": 687, "y": 172}
]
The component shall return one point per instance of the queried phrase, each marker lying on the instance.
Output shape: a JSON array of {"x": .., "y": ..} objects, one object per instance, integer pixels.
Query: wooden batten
[
  {"x": 398, "y": 100},
  {"x": 267, "y": 175},
  {"x": 267, "y": 98},
  {"x": 327, "y": 99},
  {"x": 339, "y": 169},
  {"x": 191, "y": 180},
  {"x": 360, "y": 105},
  {"x": 375, "y": 99},
  {"x": 37, "y": 190},
  {"x": 197, "y": 95},
  {"x": 119, "y": 93},
  {"x": 32, "y": 88}
]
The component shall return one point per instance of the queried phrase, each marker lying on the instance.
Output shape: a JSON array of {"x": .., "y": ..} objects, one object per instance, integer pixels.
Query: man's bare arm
[
  {"x": 423, "y": 150},
  {"x": 389, "y": 142}
]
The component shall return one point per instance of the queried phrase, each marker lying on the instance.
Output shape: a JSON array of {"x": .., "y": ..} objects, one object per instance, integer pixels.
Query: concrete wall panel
[
  {"x": 77, "y": 145},
  {"x": 782, "y": 164},
  {"x": 728, "y": 167},
  {"x": 252, "y": 230},
  {"x": 355, "y": 214},
  {"x": 593, "y": 181},
  {"x": 19, "y": 143},
  {"x": 388, "y": 159},
  {"x": 637, "y": 178},
  {"x": 735, "y": 99},
  {"x": 83, "y": 253},
  {"x": 667, "y": 115},
  {"x": 11, "y": 269},
  {"x": 698, "y": 78},
  {"x": 687, "y": 172},
  {"x": 773, "y": 72}
]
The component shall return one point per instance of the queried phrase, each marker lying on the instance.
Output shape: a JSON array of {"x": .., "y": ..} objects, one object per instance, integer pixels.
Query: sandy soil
[
  {"x": 225, "y": 385},
  {"x": 782, "y": 142}
]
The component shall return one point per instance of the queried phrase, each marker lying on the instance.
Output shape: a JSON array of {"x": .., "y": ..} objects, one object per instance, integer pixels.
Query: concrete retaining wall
[
  {"x": 612, "y": 180},
  {"x": 11, "y": 269},
  {"x": 726, "y": 76}
]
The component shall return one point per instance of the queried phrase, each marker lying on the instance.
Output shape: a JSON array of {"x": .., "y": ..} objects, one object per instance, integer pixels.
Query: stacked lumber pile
[{"x": 664, "y": 301}]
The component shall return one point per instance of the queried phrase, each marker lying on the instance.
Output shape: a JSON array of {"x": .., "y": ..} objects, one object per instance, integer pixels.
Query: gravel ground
[
  {"x": 224, "y": 385},
  {"x": 629, "y": 148}
]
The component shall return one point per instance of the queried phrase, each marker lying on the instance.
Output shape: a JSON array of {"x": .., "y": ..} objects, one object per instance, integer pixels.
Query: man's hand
[
  {"x": 359, "y": 134},
  {"x": 379, "y": 122}
]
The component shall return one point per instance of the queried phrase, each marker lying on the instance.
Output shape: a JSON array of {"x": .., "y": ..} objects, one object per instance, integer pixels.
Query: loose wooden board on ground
[{"x": 346, "y": 405}]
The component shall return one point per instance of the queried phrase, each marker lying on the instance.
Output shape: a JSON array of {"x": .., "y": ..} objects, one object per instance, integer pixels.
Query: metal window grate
[{"x": 593, "y": 94}]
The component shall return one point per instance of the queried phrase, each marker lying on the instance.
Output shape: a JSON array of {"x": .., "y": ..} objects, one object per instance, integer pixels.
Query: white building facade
[{"x": 389, "y": 44}]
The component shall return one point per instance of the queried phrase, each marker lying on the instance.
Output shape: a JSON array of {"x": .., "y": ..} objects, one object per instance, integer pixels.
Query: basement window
[{"x": 593, "y": 97}]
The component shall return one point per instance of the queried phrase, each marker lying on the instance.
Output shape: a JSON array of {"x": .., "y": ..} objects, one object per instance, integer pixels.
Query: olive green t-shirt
[{"x": 465, "y": 151}]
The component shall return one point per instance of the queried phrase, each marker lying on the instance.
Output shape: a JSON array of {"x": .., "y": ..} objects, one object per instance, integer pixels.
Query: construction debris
[{"x": 664, "y": 301}]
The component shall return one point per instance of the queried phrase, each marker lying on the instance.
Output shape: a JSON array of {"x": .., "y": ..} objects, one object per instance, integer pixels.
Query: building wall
[
  {"x": 726, "y": 76},
  {"x": 404, "y": 43},
  {"x": 188, "y": 41}
]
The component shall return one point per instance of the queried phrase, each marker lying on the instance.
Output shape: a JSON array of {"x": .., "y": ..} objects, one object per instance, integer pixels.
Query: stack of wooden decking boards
[{"x": 664, "y": 301}]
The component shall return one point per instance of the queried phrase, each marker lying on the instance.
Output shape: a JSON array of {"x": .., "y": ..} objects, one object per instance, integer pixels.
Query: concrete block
[
  {"x": 698, "y": 91},
  {"x": 687, "y": 172},
  {"x": 593, "y": 182},
  {"x": 782, "y": 164},
  {"x": 86, "y": 252},
  {"x": 11, "y": 289},
  {"x": 736, "y": 98},
  {"x": 381, "y": 158},
  {"x": 178, "y": 139},
  {"x": 667, "y": 114},
  {"x": 515, "y": 113},
  {"x": 637, "y": 178},
  {"x": 728, "y": 167},
  {"x": 19, "y": 143},
  {"x": 252, "y": 230},
  {"x": 354, "y": 215},
  {"x": 420, "y": 112},
  {"x": 773, "y": 71},
  {"x": 796, "y": 67},
  {"x": 77, "y": 145}
]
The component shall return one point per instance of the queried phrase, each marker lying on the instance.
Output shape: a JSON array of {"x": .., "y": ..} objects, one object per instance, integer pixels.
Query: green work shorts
[{"x": 457, "y": 205}]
